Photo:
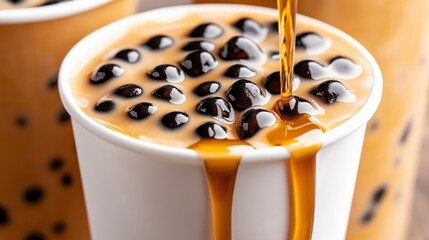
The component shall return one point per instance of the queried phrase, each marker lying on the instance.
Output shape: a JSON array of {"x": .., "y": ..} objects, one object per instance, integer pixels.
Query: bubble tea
[
  {"x": 40, "y": 188},
  {"x": 212, "y": 84}
]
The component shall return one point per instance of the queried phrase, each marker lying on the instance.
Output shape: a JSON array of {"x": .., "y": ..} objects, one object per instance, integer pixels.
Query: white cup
[{"x": 140, "y": 190}]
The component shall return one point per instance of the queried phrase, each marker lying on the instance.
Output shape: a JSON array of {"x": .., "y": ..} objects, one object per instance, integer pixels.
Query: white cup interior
[{"x": 100, "y": 40}]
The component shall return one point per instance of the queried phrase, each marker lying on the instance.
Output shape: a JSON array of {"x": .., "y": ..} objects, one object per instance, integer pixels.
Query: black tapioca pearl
[
  {"x": 63, "y": 117},
  {"x": 174, "y": 120},
  {"x": 59, "y": 227},
  {"x": 240, "y": 71},
  {"x": 106, "y": 73},
  {"x": 167, "y": 72},
  {"x": 374, "y": 125},
  {"x": 105, "y": 106},
  {"x": 159, "y": 42},
  {"x": 272, "y": 83},
  {"x": 379, "y": 195},
  {"x": 128, "y": 91},
  {"x": 16, "y": 1},
  {"x": 34, "y": 236},
  {"x": 368, "y": 216},
  {"x": 241, "y": 48},
  {"x": 198, "y": 63},
  {"x": 142, "y": 111},
  {"x": 4, "y": 216},
  {"x": 56, "y": 164},
  {"x": 343, "y": 65},
  {"x": 128, "y": 55},
  {"x": 251, "y": 28},
  {"x": 51, "y": 2},
  {"x": 22, "y": 121},
  {"x": 309, "y": 69},
  {"x": 199, "y": 45},
  {"x": 332, "y": 91},
  {"x": 170, "y": 94},
  {"x": 212, "y": 130},
  {"x": 275, "y": 55},
  {"x": 254, "y": 120},
  {"x": 33, "y": 194},
  {"x": 295, "y": 107},
  {"x": 309, "y": 40},
  {"x": 67, "y": 180},
  {"x": 244, "y": 94},
  {"x": 207, "y": 88},
  {"x": 274, "y": 26},
  {"x": 207, "y": 30},
  {"x": 406, "y": 133},
  {"x": 216, "y": 107},
  {"x": 52, "y": 83}
]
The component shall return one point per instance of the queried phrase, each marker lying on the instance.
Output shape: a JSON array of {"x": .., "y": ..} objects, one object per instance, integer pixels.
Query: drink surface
[
  {"x": 11, "y": 4},
  {"x": 212, "y": 84},
  {"x": 40, "y": 191}
]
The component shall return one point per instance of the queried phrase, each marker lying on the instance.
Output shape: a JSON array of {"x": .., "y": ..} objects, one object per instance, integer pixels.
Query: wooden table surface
[{"x": 419, "y": 229}]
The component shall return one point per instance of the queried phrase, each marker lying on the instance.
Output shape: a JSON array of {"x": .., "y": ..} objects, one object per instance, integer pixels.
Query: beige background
[{"x": 420, "y": 219}]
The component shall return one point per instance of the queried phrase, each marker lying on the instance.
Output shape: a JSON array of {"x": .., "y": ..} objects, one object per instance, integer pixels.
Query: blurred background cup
[
  {"x": 40, "y": 189},
  {"x": 140, "y": 190},
  {"x": 397, "y": 34}
]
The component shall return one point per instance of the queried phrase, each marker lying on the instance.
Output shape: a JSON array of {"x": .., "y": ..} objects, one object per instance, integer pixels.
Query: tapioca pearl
[
  {"x": 274, "y": 26},
  {"x": 367, "y": 216},
  {"x": 63, "y": 117},
  {"x": 379, "y": 195},
  {"x": 207, "y": 30},
  {"x": 16, "y": 1},
  {"x": 332, "y": 91},
  {"x": 198, "y": 63},
  {"x": 309, "y": 69},
  {"x": 105, "y": 106},
  {"x": 128, "y": 91},
  {"x": 51, "y": 2},
  {"x": 35, "y": 236},
  {"x": 128, "y": 55},
  {"x": 272, "y": 83},
  {"x": 345, "y": 67},
  {"x": 275, "y": 55},
  {"x": 33, "y": 194},
  {"x": 242, "y": 48},
  {"x": 251, "y": 28},
  {"x": 167, "y": 72},
  {"x": 244, "y": 94},
  {"x": 308, "y": 40},
  {"x": 21, "y": 121},
  {"x": 374, "y": 125},
  {"x": 106, "y": 73},
  {"x": 170, "y": 94},
  {"x": 175, "y": 120},
  {"x": 217, "y": 108},
  {"x": 67, "y": 180},
  {"x": 295, "y": 107},
  {"x": 406, "y": 132},
  {"x": 159, "y": 42},
  {"x": 255, "y": 120},
  {"x": 212, "y": 130},
  {"x": 199, "y": 45},
  {"x": 239, "y": 71},
  {"x": 141, "y": 111},
  {"x": 207, "y": 88},
  {"x": 56, "y": 164},
  {"x": 4, "y": 216},
  {"x": 52, "y": 83},
  {"x": 59, "y": 227}
]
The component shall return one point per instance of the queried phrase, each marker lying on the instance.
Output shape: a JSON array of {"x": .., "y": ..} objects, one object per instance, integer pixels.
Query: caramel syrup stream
[
  {"x": 287, "y": 22},
  {"x": 221, "y": 161},
  {"x": 301, "y": 167}
]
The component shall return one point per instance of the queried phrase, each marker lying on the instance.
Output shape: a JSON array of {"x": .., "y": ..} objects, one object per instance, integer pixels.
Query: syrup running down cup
[{"x": 173, "y": 112}]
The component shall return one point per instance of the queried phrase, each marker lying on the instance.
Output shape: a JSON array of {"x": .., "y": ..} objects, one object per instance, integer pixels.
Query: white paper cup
[{"x": 140, "y": 190}]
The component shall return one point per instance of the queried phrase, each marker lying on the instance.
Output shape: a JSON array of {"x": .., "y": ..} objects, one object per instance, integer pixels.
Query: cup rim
[
  {"x": 140, "y": 146},
  {"x": 54, "y": 11}
]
